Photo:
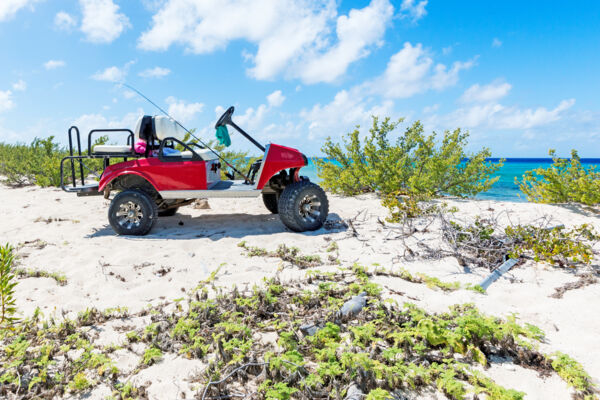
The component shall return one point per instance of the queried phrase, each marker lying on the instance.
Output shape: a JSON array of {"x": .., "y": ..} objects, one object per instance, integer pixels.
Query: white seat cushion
[{"x": 112, "y": 149}]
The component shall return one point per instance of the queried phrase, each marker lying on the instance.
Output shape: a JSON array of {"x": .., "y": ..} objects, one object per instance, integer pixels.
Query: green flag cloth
[{"x": 223, "y": 135}]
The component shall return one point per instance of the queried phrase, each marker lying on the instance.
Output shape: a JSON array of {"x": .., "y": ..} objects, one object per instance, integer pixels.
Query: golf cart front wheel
[
  {"x": 132, "y": 212},
  {"x": 303, "y": 206}
]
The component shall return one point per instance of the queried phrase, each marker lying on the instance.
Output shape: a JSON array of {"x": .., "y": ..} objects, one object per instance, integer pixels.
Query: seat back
[
  {"x": 165, "y": 127},
  {"x": 158, "y": 128},
  {"x": 144, "y": 129}
]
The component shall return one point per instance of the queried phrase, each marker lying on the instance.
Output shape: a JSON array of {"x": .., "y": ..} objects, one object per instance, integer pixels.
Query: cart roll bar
[{"x": 71, "y": 154}]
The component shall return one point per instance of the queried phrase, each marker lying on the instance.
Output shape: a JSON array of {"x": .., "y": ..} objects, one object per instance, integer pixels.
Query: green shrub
[
  {"x": 566, "y": 181},
  {"x": 39, "y": 162},
  {"x": 7, "y": 286},
  {"x": 413, "y": 169}
]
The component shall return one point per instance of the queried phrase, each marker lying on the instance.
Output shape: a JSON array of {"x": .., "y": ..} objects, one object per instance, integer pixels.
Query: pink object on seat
[{"x": 140, "y": 147}]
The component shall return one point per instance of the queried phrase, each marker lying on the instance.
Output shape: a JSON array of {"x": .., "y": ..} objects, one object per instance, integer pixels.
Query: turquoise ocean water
[{"x": 505, "y": 188}]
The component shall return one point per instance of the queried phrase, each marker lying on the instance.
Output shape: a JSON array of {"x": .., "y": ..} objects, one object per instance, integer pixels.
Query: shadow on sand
[{"x": 218, "y": 226}]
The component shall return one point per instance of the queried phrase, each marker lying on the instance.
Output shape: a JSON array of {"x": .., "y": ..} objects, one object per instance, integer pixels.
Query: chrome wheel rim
[
  {"x": 129, "y": 215},
  {"x": 310, "y": 208}
]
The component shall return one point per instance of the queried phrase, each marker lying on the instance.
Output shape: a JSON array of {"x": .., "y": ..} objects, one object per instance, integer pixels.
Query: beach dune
[{"x": 63, "y": 234}]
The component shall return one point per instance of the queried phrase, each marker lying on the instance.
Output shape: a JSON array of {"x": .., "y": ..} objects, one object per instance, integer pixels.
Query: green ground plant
[
  {"x": 285, "y": 253},
  {"x": 7, "y": 287},
  {"x": 485, "y": 243},
  {"x": 566, "y": 181},
  {"x": 413, "y": 169},
  {"x": 59, "y": 277},
  {"x": 384, "y": 348}
]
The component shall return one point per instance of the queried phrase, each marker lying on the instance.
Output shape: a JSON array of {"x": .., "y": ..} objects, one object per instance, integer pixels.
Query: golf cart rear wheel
[
  {"x": 132, "y": 212},
  {"x": 270, "y": 200},
  {"x": 303, "y": 206},
  {"x": 169, "y": 212}
]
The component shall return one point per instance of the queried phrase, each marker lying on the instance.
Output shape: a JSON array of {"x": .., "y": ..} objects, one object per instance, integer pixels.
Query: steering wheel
[{"x": 225, "y": 118}]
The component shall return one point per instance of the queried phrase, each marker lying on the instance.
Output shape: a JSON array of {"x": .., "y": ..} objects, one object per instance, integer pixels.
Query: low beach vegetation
[
  {"x": 487, "y": 244},
  {"x": 565, "y": 181},
  {"x": 59, "y": 277},
  {"x": 380, "y": 349},
  {"x": 38, "y": 163},
  {"x": 8, "y": 282}
]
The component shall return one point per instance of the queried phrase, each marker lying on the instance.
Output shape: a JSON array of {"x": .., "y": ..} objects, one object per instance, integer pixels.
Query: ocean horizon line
[{"x": 583, "y": 160}]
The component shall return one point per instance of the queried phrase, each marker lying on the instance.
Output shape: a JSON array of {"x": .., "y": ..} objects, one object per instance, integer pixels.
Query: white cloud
[
  {"x": 182, "y": 111},
  {"x": 64, "y": 21},
  {"x": 102, "y": 22},
  {"x": 20, "y": 85},
  {"x": 53, "y": 64},
  {"x": 293, "y": 37},
  {"x": 444, "y": 78},
  {"x": 431, "y": 109},
  {"x": 411, "y": 71},
  {"x": 347, "y": 109},
  {"x": 6, "y": 102},
  {"x": 496, "y": 42},
  {"x": 113, "y": 74},
  {"x": 491, "y": 92},
  {"x": 414, "y": 8},
  {"x": 253, "y": 118},
  {"x": 276, "y": 99},
  {"x": 156, "y": 72},
  {"x": 493, "y": 115},
  {"x": 356, "y": 32},
  {"x": 110, "y": 74},
  {"x": 8, "y": 8}
]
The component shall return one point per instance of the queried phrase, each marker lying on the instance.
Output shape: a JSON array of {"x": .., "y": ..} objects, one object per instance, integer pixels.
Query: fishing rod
[{"x": 185, "y": 129}]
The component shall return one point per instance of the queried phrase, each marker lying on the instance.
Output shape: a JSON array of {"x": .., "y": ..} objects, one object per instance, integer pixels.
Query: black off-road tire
[
  {"x": 145, "y": 213},
  {"x": 293, "y": 209},
  {"x": 270, "y": 200},
  {"x": 169, "y": 212}
]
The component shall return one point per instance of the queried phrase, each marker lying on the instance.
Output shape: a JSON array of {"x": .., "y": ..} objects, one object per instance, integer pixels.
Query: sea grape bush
[
  {"x": 412, "y": 169},
  {"x": 566, "y": 181}
]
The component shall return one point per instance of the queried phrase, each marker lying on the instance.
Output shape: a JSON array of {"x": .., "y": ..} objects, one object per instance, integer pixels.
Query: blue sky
[{"x": 522, "y": 77}]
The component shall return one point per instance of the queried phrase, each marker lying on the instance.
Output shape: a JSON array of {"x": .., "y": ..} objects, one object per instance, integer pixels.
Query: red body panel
[
  {"x": 279, "y": 158},
  {"x": 177, "y": 175},
  {"x": 191, "y": 175}
]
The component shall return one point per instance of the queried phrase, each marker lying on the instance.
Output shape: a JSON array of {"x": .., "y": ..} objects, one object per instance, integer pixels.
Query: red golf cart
[{"x": 161, "y": 180}]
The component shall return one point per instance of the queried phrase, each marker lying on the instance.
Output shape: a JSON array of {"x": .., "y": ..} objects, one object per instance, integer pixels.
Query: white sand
[{"x": 104, "y": 270}]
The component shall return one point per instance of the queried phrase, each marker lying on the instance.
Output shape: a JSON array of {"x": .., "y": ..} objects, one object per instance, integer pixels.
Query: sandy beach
[{"x": 60, "y": 233}]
